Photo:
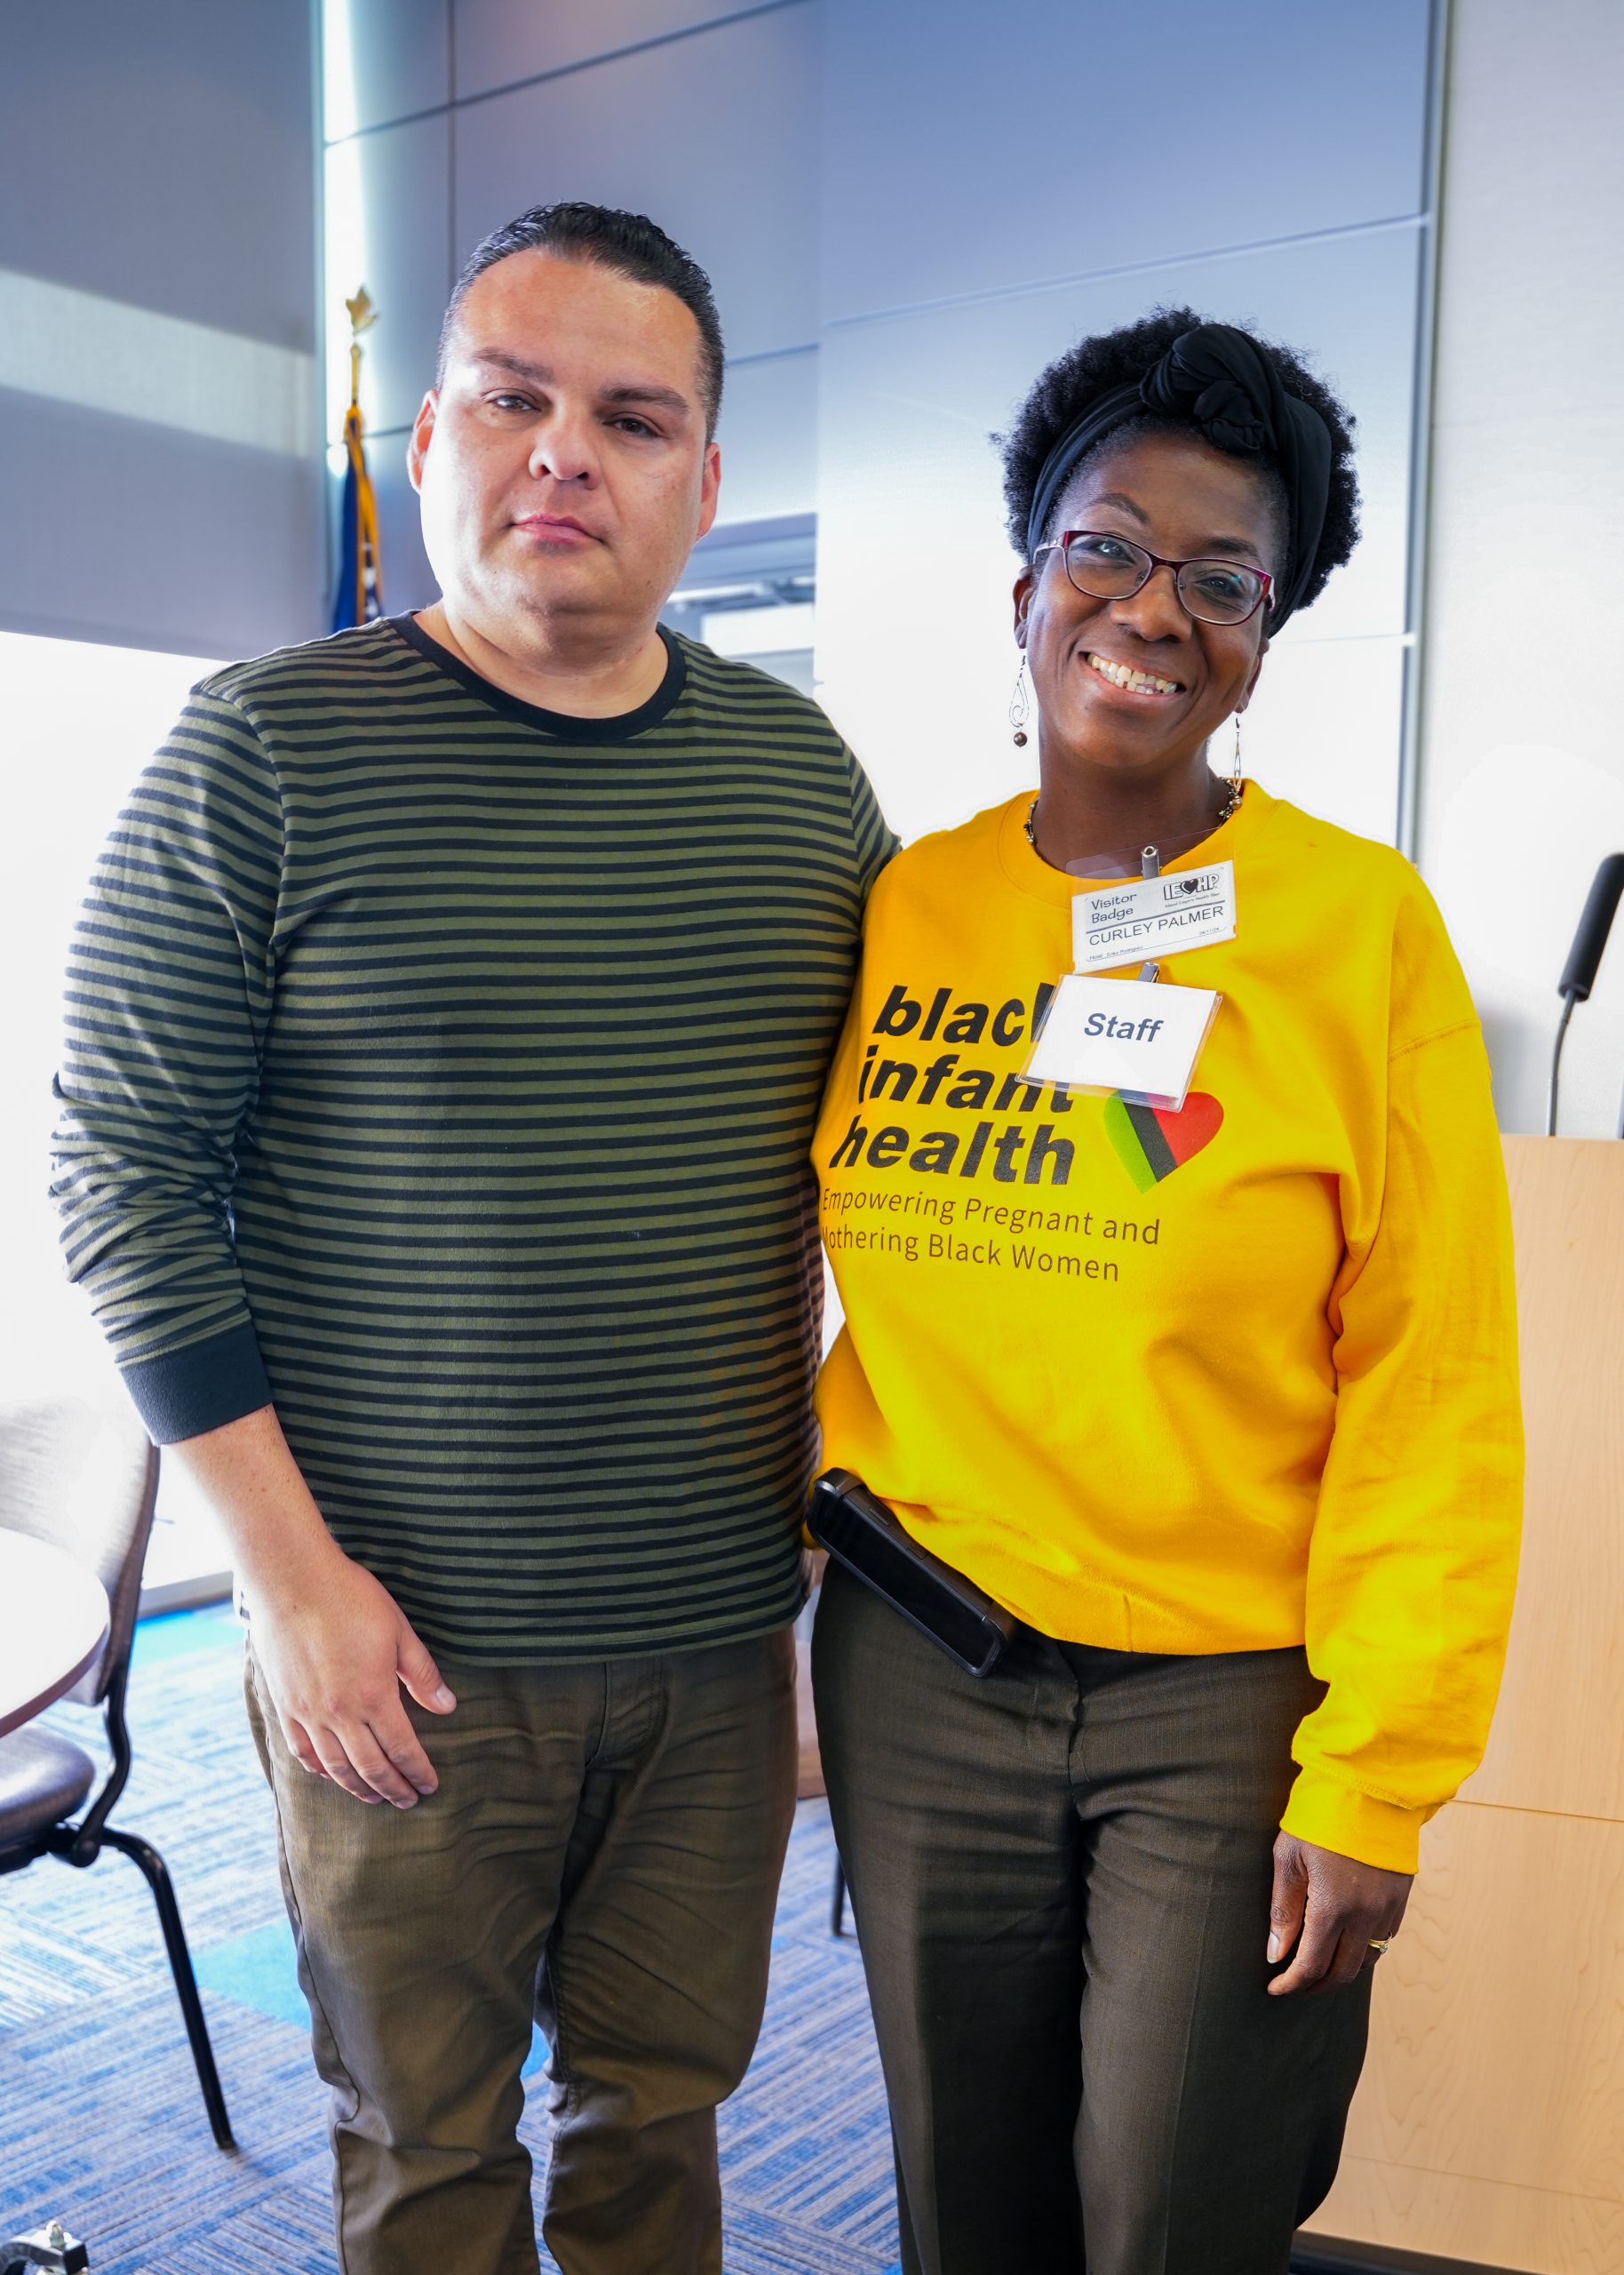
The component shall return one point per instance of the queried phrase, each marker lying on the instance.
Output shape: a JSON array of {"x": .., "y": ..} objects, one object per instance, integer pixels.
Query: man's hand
[
  {"x": 1332, "y": 1909},
  {"x": 334, "y": 1652},
  {"x": 333, "y": 1645}
]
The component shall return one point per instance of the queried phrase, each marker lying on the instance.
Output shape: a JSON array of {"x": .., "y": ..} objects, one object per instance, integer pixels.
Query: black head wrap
[{"x": 1226, "y": 382}]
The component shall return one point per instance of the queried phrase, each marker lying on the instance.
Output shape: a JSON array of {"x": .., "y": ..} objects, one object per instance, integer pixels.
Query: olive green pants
[
  {"x": 1061, "y": 1878},
  {"x": 603, "y": 1854}
]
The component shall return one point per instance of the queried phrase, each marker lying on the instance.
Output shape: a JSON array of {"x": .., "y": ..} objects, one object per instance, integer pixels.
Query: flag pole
[{"x": 359, "y": 594}]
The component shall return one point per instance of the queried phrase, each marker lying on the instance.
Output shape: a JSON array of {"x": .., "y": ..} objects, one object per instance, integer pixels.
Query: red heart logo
[
  {"x": 1151, "y": 1143},
  {"x": 1195, "y": 1125}
]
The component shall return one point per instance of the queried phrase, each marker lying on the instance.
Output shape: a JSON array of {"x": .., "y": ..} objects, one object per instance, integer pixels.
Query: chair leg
[
  {"x": 156, "y": 1874},
  {"x": 50, "y": 2247},
  {"x": 837, "y": 1900}
]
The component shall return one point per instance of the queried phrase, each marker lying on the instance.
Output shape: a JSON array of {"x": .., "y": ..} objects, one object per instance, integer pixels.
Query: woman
[{"x": 1219, "y": 1402}]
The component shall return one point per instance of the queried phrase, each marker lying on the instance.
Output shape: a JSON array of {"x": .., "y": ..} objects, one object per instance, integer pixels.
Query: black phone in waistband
[{"x": 862, "y": 1534}]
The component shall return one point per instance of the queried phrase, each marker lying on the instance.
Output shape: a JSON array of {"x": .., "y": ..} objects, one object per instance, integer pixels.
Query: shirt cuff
[
  {"x": 203, "y": 1388},
  {"x": 1351, "y": 1823}
]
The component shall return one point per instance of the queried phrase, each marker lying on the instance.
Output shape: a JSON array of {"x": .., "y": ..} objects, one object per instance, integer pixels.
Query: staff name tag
[
  {"x": 1141, "y": 1037},
  {"x": 1152, "y": 917}
]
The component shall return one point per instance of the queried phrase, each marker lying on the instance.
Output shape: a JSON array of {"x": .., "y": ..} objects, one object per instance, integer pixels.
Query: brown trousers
[
  {"x": 1061, "y": 1877},
  {"x": 603, "y": 1853}
]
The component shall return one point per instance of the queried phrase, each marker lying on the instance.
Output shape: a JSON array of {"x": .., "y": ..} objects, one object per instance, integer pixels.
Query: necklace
[{"x": 1231, "y": 806}]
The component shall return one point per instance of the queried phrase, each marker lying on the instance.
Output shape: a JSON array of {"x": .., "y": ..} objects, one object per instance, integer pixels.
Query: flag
[
  {"x": 358, "y": 589},
  {"x": 358, "y": 592}
]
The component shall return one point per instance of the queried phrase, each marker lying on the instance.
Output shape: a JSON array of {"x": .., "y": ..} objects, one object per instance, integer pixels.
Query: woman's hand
[{"x": 1332, "y": 1909}]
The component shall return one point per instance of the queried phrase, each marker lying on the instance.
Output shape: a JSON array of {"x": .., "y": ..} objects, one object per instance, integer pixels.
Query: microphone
[{"x": 1579, "y": 972}]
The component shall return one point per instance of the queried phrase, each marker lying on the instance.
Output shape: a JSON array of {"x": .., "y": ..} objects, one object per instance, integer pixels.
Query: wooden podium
[{"x": 1488, "y": 2128}]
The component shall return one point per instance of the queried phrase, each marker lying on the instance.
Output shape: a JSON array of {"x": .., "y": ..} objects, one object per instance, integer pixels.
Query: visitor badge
[
  {"x": 1152, "y": 917},
  {"x": 1140, "y": 1037}
]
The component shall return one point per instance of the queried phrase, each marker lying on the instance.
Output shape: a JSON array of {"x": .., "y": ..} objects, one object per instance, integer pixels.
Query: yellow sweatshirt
[{"x": 1238, "y": 1377}]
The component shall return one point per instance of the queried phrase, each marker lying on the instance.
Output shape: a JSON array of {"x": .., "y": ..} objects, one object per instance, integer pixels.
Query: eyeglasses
[{"x": 1109, "y": 568}]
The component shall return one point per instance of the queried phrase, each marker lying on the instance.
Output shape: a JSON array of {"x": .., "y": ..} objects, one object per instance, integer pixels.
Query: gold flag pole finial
[{"x": 363, "y": 316}]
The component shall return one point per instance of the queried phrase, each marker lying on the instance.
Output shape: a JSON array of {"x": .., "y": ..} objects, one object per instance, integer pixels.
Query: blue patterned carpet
[{"x": 101, "y": 2121}]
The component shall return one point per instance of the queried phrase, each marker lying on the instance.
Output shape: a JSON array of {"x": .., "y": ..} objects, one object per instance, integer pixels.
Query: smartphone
[{"x": 861, "y": 1533}]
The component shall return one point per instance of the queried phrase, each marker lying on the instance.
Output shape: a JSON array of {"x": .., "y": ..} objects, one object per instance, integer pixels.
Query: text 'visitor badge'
[
  {"x": 1154, "y": 917},
  {"x": 1139, "y": 1036}
]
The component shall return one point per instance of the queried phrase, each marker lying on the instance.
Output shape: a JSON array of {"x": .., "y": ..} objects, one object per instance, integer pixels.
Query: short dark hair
[
  {"x": 1113, "y": 359},
  {"x": 629, "y": 245}
]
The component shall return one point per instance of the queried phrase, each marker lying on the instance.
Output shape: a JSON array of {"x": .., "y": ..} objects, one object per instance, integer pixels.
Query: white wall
[
  {"x": 81, "y": 723},
  {"x": 1522, "y": 783},
  {"x": 159, "y": 482},
  {"x": 1019, "y": 178},
  {"x": 81, "y": 720}
]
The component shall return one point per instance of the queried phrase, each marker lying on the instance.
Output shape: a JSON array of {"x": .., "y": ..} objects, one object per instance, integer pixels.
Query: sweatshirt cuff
[
  {"x": 1351, "y": 1823},
  {"x": 203, "y": 1388}
]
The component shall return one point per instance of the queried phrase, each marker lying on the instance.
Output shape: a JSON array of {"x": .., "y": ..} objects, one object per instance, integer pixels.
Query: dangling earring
[
  {"x": 1020, "y": 703},
  {"x": 1231, "y": 804}
]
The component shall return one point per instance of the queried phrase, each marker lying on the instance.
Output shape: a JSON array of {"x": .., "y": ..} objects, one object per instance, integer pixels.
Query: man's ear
[
  {"x": 710, "y": 486},
  {"x": 422, "y": 431}
]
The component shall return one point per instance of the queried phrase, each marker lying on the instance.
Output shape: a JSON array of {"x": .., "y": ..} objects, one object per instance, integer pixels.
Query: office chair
[{"x": 85, "y": 1480}]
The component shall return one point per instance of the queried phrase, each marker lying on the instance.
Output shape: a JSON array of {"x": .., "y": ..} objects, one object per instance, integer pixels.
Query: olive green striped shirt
[{"x": 444, "y": 1070}]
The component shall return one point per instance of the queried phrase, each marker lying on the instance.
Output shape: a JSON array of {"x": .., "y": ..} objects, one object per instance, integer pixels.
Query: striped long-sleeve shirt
[{"x": 443, "y": 1070}]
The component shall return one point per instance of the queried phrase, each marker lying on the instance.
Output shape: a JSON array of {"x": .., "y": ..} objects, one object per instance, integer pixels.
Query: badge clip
[{"x": 1136, "y": 1038}]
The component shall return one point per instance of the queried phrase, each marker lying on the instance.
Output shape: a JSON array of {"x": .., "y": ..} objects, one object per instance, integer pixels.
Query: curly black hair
[{"x": 1112, "y": 359}]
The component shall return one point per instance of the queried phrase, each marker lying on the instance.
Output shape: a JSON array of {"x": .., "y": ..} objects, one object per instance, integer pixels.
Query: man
[{"x": 446, "y": 1025}]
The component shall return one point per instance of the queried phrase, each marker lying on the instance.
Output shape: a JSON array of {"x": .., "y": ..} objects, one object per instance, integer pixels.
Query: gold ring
[{"x": 1380, "y": 1943}]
